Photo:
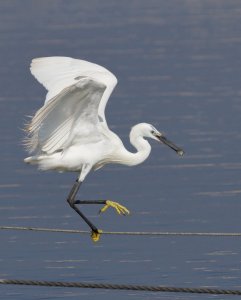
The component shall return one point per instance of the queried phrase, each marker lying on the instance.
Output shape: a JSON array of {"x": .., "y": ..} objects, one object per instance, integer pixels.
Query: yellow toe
[
  {"x": 121, "y": 210},
  {"x": 95, "y": 236}
]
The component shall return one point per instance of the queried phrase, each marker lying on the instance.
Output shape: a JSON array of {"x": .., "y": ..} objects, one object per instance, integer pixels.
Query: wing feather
[
  {"x": 58, "y": 137},
  {"x": 57, "y": 73},
  {"x": 69, "y": 117}
]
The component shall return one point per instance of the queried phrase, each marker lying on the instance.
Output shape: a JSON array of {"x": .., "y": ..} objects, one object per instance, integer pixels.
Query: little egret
[{"x": 69, "y": 132}]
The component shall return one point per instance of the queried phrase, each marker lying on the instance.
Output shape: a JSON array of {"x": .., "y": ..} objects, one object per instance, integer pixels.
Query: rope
[
  {"x": 121, "y": 287},
  {"x": 215, "y": 234}
]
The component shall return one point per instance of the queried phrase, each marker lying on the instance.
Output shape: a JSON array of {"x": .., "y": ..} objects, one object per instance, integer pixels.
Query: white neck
[{"x": 142, "y": 146}]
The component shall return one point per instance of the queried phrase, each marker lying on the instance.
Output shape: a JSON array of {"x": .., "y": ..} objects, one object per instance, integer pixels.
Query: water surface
[{"x": 178, "y": 66}]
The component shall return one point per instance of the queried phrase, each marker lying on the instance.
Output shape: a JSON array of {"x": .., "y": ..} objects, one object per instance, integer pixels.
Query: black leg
[
  {"x": 90, "y": 202},
  {"x": 72, "y": 202}
]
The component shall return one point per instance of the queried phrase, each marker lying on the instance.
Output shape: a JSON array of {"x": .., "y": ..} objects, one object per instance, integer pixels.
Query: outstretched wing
[
  {"x": 57, "y": 73},
  {"x": 69, "y": 117}
]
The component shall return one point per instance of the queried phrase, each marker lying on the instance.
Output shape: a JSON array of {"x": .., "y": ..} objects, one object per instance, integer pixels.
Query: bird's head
[{"x": 149, "y": 131}]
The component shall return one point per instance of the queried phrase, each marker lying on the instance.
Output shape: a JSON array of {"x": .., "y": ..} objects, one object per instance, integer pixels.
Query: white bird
[{"x": 70, "y": 133}]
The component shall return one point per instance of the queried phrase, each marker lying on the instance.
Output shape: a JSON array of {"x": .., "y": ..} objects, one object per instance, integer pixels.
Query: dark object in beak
[{"x": 165, "y": 141}]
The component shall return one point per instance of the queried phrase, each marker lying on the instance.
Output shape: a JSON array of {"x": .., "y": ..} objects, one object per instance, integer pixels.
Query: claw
[
  {"x": 121, "y": 210},
  {"x": 96, "y": 235}
]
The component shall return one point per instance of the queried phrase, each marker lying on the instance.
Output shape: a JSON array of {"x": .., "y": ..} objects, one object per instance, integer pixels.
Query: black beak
[{"x": 170, "y": 144}]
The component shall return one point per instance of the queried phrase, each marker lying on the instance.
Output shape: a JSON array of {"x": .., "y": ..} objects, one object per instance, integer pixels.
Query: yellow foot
[
  {"x": 96, "y": 235},
  {"x": 121, "y": 210}
]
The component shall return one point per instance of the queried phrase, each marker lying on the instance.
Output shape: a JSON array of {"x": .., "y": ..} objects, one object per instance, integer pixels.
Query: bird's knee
[
  {"x": 70, "y": 202},
  {"x": 72, "y": 194}
]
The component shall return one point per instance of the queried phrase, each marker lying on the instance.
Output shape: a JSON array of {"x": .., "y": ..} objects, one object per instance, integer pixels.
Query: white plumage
[
  {"x": 73, "y": 112},
  {"x": 70, "y": 133}
]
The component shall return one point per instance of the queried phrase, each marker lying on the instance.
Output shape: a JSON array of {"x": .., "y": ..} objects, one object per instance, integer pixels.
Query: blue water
[{"x": 178, "y": 65}]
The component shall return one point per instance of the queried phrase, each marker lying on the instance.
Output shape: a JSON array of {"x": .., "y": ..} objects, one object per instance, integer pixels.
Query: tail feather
[{"x": 45, "y": 162}]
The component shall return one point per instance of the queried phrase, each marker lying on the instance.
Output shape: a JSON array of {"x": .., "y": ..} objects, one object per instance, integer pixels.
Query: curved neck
[{"x": 143, "y": 150}]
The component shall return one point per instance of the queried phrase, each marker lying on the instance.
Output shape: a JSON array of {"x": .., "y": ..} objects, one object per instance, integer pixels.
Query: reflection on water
[{"x": 178, "y": 65}]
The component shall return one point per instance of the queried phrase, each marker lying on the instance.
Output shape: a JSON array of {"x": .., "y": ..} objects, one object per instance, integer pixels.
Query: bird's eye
[{"x": 152, "y": 132}]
